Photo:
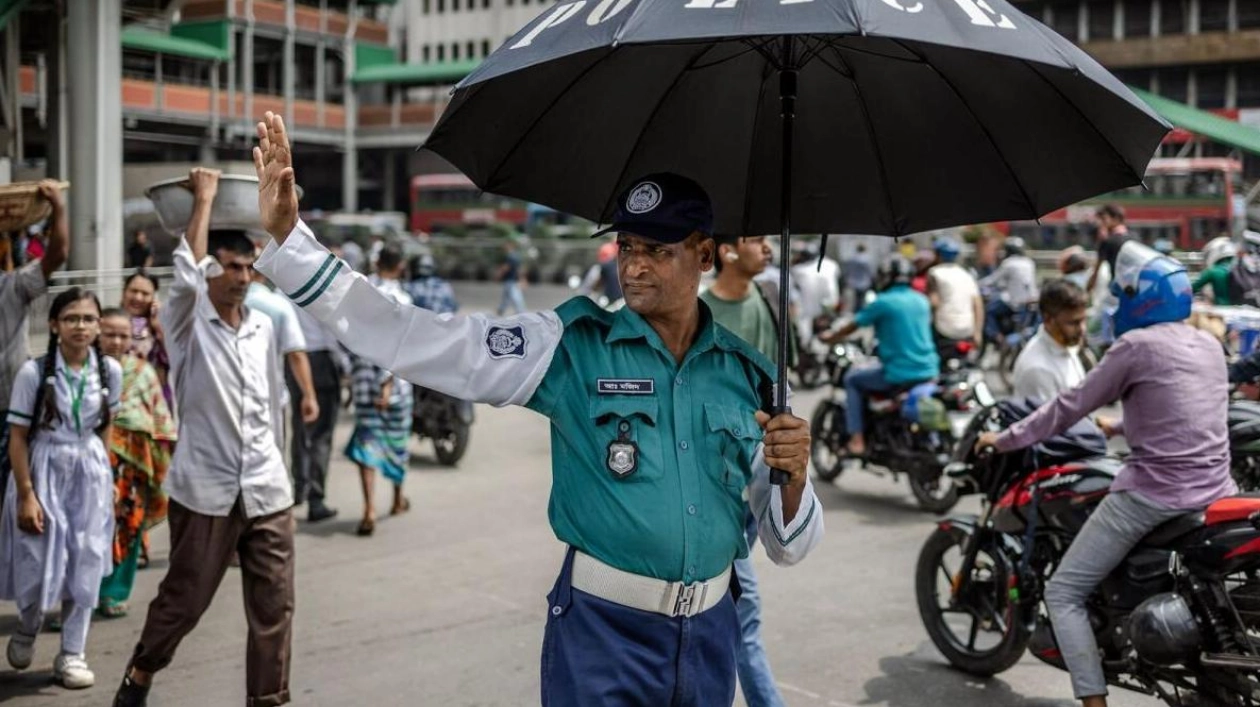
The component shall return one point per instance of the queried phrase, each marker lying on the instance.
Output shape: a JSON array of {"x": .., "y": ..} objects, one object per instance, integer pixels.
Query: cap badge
[{"x": 643, "y": 198}]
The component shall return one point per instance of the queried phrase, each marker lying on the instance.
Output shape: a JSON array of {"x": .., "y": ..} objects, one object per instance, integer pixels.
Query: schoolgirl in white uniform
[{"x": 57, "y": 528}]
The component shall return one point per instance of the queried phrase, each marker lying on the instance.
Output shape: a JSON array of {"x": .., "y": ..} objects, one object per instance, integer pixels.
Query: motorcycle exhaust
[{"x": 1230, "y": 660}]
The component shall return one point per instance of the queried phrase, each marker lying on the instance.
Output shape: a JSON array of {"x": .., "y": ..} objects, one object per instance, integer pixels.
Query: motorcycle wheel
[
  {"x": 450, "y": 449},
  {"x": 986, "y": 609},
  {"x": 936, "y": 495},
  {"x": 829, "y": 436},
  {"x": 809, "y": 375}
]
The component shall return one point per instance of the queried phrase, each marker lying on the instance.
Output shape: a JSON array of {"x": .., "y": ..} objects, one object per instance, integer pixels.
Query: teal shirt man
[{"x": 902, "y": 319}]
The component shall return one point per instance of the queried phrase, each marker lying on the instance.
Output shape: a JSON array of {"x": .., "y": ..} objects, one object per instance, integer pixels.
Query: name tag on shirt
[{"x": 626, "y": 386}]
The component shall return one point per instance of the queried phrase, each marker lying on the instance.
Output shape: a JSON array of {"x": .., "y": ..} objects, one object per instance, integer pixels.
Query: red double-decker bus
[
  {"x": 445, "y": 202},
  {"x": 1190, "y": 201}
]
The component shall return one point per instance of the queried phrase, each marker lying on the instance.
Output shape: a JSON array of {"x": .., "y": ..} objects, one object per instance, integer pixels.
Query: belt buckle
[{"x": 688, "y": 604}]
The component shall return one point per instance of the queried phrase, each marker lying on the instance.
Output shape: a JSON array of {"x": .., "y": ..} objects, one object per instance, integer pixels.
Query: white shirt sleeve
[
  {"x": 500, "y": 361},
  {"x": 790, "y": 543},
  {"x": 288, "y": 330},
  {"x": 187, "y": 285},
  {"x": 22, "y": 400}
]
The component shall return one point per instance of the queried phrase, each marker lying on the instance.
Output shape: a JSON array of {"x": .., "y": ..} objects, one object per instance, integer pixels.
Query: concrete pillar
[
  {"x": 247, "y": 60},
  {"x": 55, "y": 83},
  {"x": 287, "y": 77},
  {"x": 350, "y": 163},
  {"x": 94, "y": 73}
]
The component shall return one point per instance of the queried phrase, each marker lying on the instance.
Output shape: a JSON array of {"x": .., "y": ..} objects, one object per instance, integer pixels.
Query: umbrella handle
[{"x": 779, "y": 477}]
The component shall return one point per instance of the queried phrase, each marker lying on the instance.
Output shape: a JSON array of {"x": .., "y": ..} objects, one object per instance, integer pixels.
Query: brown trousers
[{"x": 201, "y": 548}]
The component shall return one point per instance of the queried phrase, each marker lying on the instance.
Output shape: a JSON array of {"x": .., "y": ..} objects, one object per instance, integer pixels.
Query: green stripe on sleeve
[
  {"x": 328, "y": 281},
  {"x": 314, "y": 278}
]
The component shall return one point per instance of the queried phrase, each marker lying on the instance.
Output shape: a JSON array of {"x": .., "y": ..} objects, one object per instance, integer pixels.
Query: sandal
[
  {"x": 112, "y": 610},
  {"x": 401, "y": 508},
  {"x": 366, "y": 528}
]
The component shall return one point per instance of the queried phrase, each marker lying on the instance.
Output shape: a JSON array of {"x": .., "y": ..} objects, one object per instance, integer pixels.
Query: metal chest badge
[{"x": 623, "y": 453}]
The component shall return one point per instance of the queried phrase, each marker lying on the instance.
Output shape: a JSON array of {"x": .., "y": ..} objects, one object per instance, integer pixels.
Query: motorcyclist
[
  {"x": 957, "y": 308},
  {"x": 427, "y": 289},
  {"x": 1218, "y": 260},
  {"x": 1015, "y": 284},
  {"x": 1172, "y": 383},
  {"x": 903, "y": 325},
  {"x": 1074, "y": 266},
  {"x": 1051, "y": 362}
]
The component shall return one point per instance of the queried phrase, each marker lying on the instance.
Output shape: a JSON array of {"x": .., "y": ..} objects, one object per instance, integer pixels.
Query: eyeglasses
[{"x": 79, "y": 319}]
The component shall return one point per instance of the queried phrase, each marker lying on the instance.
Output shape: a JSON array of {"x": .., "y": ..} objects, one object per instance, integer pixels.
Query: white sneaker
[
  {"x": 71, "y": 670},
  {"x": 21, "y": 651}
]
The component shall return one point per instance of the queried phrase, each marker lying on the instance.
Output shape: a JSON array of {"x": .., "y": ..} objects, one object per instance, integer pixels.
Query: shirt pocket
[
  {"x": 732, "y": 441},
  {"x": 627, "y": 419}
]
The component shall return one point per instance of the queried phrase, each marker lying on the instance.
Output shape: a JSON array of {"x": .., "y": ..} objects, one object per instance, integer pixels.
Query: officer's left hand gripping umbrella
[{"x": 914, "y": 115}]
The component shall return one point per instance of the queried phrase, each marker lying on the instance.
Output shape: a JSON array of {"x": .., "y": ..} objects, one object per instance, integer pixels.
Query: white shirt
[
  {"x": 1016, "y": 280},
  {"x": 1045, "y": 368},
  {"x": 228, "y": 384},
  {"x": 499, "y": 360},
  {"x": 819, "y": 289},
  {"x": 956, "y": 291}
]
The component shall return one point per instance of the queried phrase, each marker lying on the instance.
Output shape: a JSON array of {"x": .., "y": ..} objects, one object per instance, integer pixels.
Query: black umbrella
[{"x": 914, "y": 114}]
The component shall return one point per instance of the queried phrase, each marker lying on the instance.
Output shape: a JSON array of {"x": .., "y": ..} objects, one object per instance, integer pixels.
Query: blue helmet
[
  {"x": 947, "y": 249},
  {"x": 1152, "y": 288}
]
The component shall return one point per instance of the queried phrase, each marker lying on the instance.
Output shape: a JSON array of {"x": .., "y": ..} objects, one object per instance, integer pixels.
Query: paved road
[{"x": 445, "y": 606}]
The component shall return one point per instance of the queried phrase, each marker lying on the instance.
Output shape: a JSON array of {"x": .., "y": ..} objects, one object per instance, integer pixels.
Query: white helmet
[{"x": 1218, "y": 249}]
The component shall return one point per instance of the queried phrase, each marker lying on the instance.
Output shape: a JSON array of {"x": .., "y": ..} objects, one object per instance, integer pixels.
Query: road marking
[{"x": 813, "y": 695}]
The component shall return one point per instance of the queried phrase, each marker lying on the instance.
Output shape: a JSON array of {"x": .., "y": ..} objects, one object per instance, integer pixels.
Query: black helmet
[
  {"x": 1164, "y": 631},
  {"x": 1014, "y": 245},
  {"x": 893, "y": 271}
]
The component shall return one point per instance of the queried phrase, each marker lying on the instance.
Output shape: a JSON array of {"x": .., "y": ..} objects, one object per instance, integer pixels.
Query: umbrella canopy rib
[
  {"x": 1033, "y": 210},
  {"x": 647, "y": 124},
  {"x": 507, "y": 156},
  {"x": 884, "y": 183},
  {"x": 1138, "y": 176},
  {"x": 752, "y": 152}
]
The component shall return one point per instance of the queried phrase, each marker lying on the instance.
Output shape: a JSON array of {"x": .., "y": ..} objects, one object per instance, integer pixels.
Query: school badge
[
  {"x": 506, "y": 342},
  {"x": 623, "y": 453}
]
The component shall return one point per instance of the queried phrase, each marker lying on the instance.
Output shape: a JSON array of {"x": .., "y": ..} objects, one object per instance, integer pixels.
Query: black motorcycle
[
  {"x": 1244, "y": 443},
  {"x": 917, "y": 445},
  {"x": 1178, "y": 619},
  {"x": 445, "y": 420}
]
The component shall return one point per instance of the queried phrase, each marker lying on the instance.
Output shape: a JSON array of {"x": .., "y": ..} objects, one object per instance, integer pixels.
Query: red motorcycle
[{"x": 1178, "y": 619}]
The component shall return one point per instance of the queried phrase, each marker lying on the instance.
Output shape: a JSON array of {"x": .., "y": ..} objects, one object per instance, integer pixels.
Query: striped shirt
[{"x": 17, "y": 290}]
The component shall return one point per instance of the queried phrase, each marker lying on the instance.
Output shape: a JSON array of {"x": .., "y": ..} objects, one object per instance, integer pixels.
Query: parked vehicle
[
  {"x": 445, "y": 420},
  {"x": 908, "y": 431},
  {"x": 1178, "y": 619}
]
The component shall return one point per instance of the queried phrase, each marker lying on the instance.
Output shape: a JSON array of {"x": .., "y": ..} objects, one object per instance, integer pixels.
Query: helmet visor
[{"x": 1133, "y": 259}]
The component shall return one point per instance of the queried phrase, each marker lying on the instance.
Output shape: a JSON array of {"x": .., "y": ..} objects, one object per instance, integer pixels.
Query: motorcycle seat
[
  {"x": 899, "y": 392},
  {"x": 1175, "y": 529}
]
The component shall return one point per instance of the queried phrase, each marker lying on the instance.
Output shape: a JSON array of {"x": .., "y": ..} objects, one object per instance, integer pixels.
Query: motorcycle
[
  {"x": 909, "y": 431},
  {"x": 1244, "y": 443},
  {"x": 445, "y": 420},
  {"x": 811, "y": 356},
  {"x": 1178, "y": 619}
]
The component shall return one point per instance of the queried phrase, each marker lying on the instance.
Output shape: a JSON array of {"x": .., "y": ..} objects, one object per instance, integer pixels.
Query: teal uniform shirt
[
  {"x": 696, "y": 432},
  {"x": 903, "y": 325},
  {"x": 653, "y": 461}
]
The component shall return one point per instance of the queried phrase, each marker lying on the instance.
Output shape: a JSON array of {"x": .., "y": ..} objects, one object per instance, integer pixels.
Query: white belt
[{"x": 646, "y": 593}]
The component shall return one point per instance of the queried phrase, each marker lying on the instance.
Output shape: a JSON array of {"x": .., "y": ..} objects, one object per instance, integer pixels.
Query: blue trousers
[
  {"x": 512, "y": 298},
  {"x": 857, "y": 383},
  {"x": 755, "y": 679},
  {"x": 596, "y": 652}
]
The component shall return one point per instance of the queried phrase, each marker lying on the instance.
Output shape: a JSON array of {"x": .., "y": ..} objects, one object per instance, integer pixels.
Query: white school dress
[{"x": 74, "y": 483}]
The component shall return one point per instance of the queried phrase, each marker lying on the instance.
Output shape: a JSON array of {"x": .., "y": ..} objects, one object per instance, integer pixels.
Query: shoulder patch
[{"x": 506, "y": 342}]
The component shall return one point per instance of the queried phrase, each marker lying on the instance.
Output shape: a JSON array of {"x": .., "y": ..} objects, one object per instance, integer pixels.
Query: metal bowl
[{"x": 235, "y": 205}]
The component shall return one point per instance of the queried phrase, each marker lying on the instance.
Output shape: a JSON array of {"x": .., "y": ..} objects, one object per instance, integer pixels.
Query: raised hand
[
  {"x": 277, "y": 195},
  {"x": 50, "y": 189}
]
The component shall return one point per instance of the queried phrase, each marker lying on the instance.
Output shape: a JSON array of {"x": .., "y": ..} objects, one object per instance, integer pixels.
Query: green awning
[
  {"x": 1199, "y": 122},
  {"x": 445, "y": 72},
  {"x": 9, "y": 8},
  {"x": 151, "y": 41}
]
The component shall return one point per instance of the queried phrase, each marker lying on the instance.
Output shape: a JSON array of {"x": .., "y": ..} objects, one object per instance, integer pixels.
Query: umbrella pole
[{"x": 787, "y": 101}]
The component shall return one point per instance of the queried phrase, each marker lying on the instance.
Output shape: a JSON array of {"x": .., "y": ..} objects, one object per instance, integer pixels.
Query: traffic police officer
[{"x": 655, "y": 427}]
